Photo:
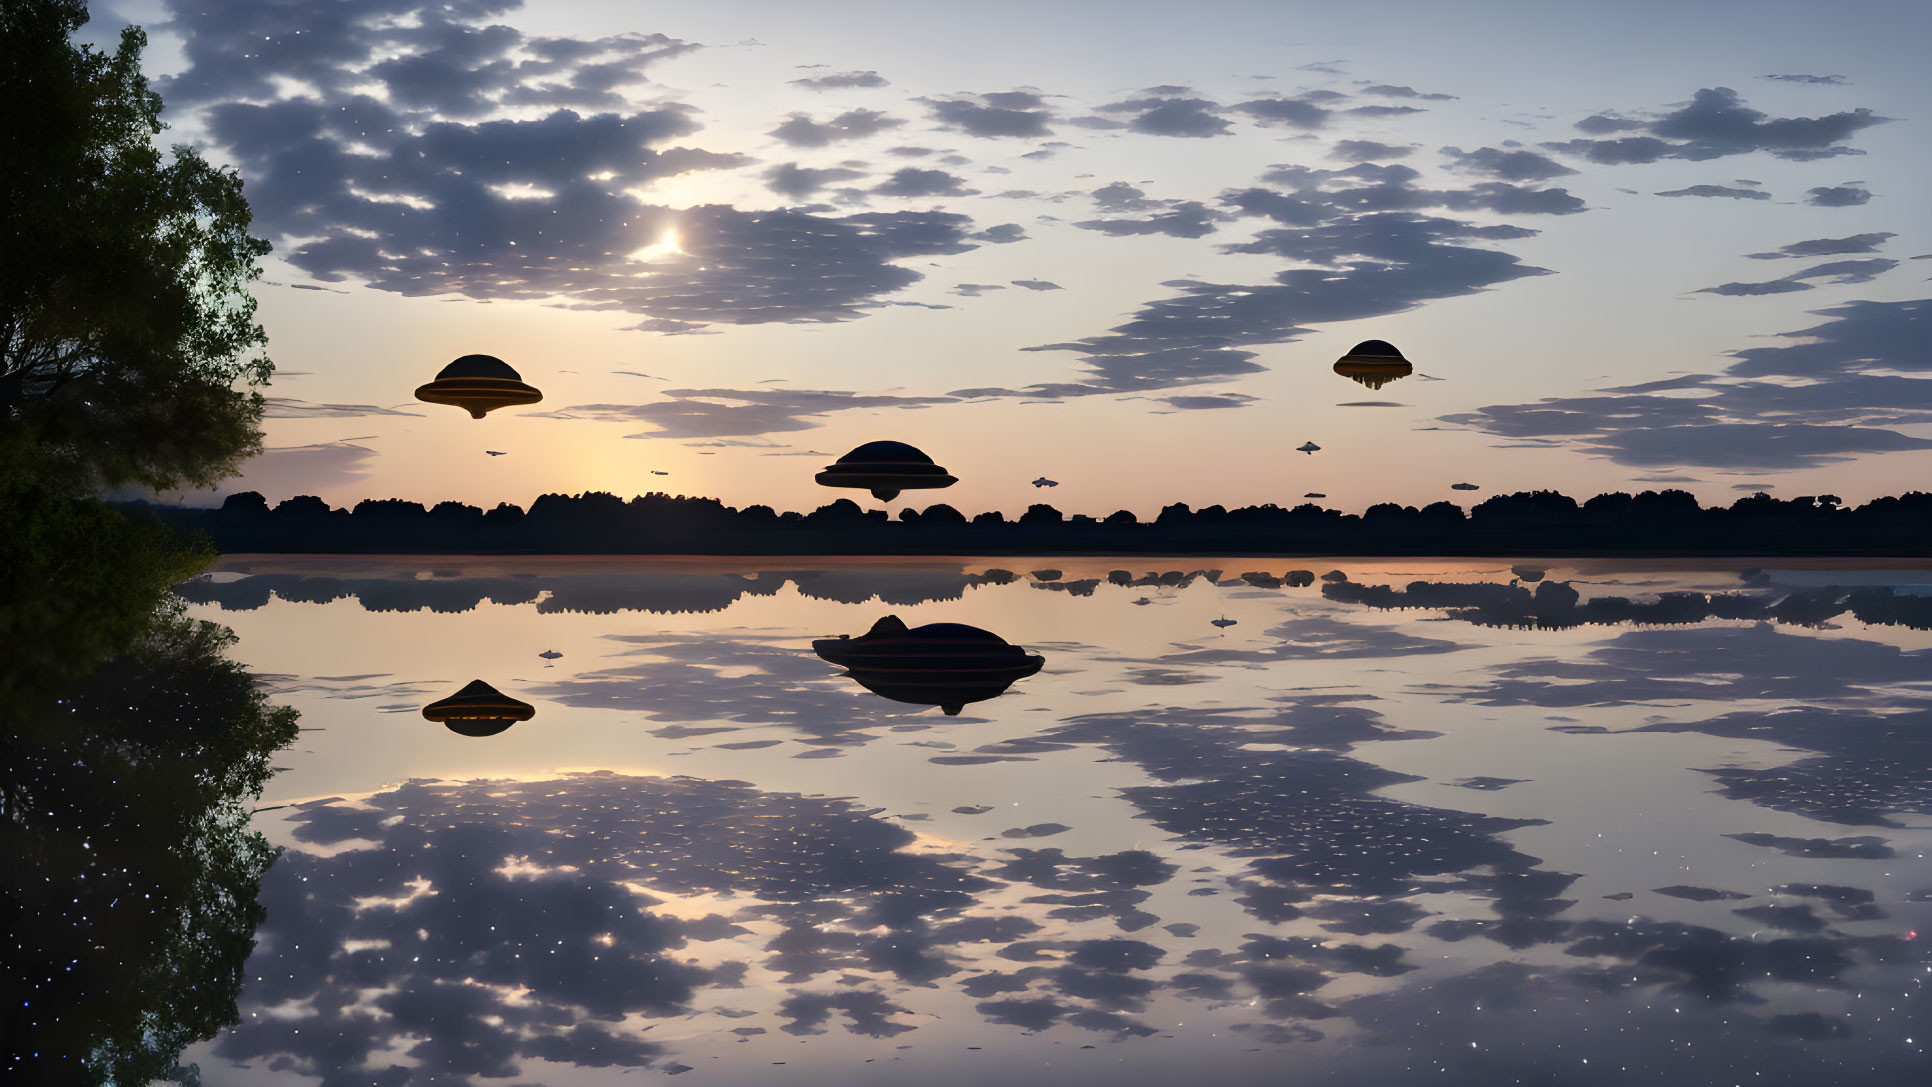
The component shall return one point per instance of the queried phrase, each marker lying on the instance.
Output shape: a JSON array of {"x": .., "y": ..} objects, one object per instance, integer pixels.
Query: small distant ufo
[
  {"x": 1314, "y": 494},
  {"x": 655, "y": 472},
  {"x": 1143, "y": 600},
  {"x": 493, "y": 452},
  {"x": 478, "y": 384},
  {"x": 1045, "y": 482},
  {"x": 1224, "y": 621},
  {"x": 1464, "y": 487},
  {"x": 550, "y": 654},
  {"x": 479, "y": 710},
  {"x": 1373, "y": 363},
  {"x": 1308, "y": 447},
  {"x": 885, "y": 469}
]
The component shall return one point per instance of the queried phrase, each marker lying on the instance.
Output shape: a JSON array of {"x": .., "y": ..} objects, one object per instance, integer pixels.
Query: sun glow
[{"x": 664, "y": 247}]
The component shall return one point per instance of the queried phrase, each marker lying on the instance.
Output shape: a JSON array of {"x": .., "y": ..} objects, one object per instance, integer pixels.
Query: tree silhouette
[
  {"x": 125, "y": 317},
  {"x": 129, "y": 896}
]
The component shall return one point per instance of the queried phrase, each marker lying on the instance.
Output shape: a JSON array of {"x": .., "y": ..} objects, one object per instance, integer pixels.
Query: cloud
[
  {"x": 428, "y": 57},
  {"x": 1368, "y": 150},
  {"x": 799, "y": 130},
  {"x": 911, "y": 181},
  {"x": 1388, "y": 90},
  {"x": 1815, "y": 80},
  {"x": 530, "y": 198},
  {"x": 1356, "y": 245},
  {"x": 284, "y": 471},
  {"x": 1172, "y": 116},
  {"x": 1828, "y": 247},
  {"x": 1512, "y": 165},
  {"x": 717, "y": 413},
  {"x": 841, "y": 80},
  {"x": 1297, "y": 112},
  {"x": 1036, "y": 284},
  {"x": 1837, "y": 271},
  {"x": 1715, "y": 124},
  {"x": 1185, "y": 219},
  {"x": 1724, "y": 191},
  {"x": 1838, "y": 196},
  {"x": 1000, "y": 114},
  {"x": 1208, "y": 403},
  {"x": 283, "y": 407},
  {"x": 1834, "y": 399},
  {"x": 791, "y": 179}
]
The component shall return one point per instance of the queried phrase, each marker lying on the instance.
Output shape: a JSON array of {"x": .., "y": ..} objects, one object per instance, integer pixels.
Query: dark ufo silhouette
[
  {"x": 1464, "y": 487},
  {"x": 939, "y": 664},
  {"x": 479, "y": 710},
  {"x": 885, "y": 469},
  {"x": 1314, "y": 494},
  {"x": 1309, "y": 448},
  {"x": 1373, "y": 363},
  {"x": 478, "y": 384}
]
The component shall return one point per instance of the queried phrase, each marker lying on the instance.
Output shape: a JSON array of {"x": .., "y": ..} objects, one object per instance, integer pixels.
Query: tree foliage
[
  {"x": 127, "y": 334},
  {"x": 130, "y": 892}
]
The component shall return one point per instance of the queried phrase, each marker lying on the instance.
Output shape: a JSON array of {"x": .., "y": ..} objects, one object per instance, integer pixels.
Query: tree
[
  {"x": 125, "y": 318},
  {"x": 130, "y": 892}
]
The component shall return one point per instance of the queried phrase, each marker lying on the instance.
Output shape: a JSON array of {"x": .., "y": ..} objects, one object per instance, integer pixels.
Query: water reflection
[
  {"x": 129, "y": 892},
  {"x": 478, "y": 710},
  {"x": 1402, "y": 833},
  {"x": 940, "y": 664}
]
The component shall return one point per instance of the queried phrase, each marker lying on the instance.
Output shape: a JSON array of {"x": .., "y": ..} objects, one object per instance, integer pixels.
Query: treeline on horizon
[{"x": 1523, "y": 523}]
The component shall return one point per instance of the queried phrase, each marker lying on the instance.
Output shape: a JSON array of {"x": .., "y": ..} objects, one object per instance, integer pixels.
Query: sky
[{"x": 1114, "y": 245}]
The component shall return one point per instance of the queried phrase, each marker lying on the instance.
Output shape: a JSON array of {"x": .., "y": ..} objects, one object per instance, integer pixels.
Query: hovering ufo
[
  {"x": 1045, "y": 482},
  {"x": 939, "y": 664},
  {"x": 494, "y": 453},
  {"x": 1222, "y": 622},
  {"x": 1464, "y": 487},
  {"x": 479, "y": 710},
  {"x": 1373, "y": 363},
  {"x": 550, "y": 654},
  {"x": 478, "y": 384},
  {"x": 885, "y": 469},
  {"x": 1308, "y": 447},
  {"x": 1314, "y": 494},
  {"x": 1143, "y": 600}
]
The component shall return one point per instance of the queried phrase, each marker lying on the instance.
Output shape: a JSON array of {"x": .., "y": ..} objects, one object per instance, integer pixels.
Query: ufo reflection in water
[
  {"x": 939, "y": 664},
  {"x": 885, "y": 469},
  {"x": 1373, "y": 363},
  {"x": 479, "y": 710},
  {"x": 478, "y": 384}
]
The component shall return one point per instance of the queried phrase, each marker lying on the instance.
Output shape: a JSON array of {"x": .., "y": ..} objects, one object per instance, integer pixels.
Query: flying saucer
[
  {"x": 939, "y": 664},
  {"x": 479, "y": 710},
  {"x": 1314, "y": 494},
  {"x": 478, "y": 384},
  {"x": 1464, "y": 487},
  {"x": 1045, "y": 482},
  {"x": 885, "y": 469},
  {"x": 1373, "y": 363},
  {"x": 1308, "y": 447}
]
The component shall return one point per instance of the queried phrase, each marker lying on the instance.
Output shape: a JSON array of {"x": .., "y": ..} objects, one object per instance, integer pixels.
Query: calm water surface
[{"x": 1331, "y": 839}]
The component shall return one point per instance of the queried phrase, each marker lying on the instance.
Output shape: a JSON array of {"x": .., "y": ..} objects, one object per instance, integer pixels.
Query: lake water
[{"x": 1322, "y": 840}]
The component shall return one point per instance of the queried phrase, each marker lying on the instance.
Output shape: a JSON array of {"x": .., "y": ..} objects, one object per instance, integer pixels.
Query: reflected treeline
[
  {"x": 1536, "y": 522},
  {"x": 667, "y": 593},
  {"x": 129, "y": 890},
  {"x": 1555, "y": 605}
]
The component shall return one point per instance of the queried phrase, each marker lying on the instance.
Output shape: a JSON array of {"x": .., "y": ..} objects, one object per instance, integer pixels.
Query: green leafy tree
[{"x": 128, "y": 339}]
